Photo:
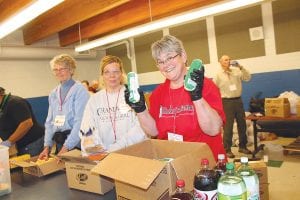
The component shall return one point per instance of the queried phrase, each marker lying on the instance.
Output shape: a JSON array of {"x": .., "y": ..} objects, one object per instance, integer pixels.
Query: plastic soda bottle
[
  {"x": 250, "y": 179},
  {"x": 180, "y": 193},
  {"x": 231, "y": 186},
  {"x": 220, "y": 168},
  {"x": 133, "y": 85},
  {"x": 205, "y": 182}
]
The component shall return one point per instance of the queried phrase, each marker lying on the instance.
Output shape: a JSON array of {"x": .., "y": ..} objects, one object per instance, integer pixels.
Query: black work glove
[
  {"x": 139, "y": 106},
  {"x": 198, "y": 77}
]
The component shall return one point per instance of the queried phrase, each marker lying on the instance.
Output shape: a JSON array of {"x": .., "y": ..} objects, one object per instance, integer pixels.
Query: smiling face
[
  {"x": 61, "y": 72},
  {"x": 172, "y": 66}
]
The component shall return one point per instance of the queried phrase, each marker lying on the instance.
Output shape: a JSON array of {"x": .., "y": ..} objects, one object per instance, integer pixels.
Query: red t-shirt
[{"x": 174, "y": 112}]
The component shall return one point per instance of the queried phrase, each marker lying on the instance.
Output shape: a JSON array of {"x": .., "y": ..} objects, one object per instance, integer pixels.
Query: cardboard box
[
  {"x": 23, "y": 157},
  {"x": 79, "y": 175},
  {"x": 261, "y": 170},
  {"x": 277, "y": 107},
  {"x": 298, "y": 108},
  {"x": 31, "y": 167},
  {"x": 149, "y": 170},
  {"x": 264, "y": 191}
]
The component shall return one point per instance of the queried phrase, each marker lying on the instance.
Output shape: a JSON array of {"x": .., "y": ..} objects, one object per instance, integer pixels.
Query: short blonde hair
[
  {"x": 108, "y": 59},
  {"x": 64, "y": 60}
]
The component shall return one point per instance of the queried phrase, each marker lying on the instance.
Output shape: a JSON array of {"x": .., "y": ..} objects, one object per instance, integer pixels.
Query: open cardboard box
[
  {"x": 149, "y": 170},
  {"x": 30, "y": 167},
  {"x": 79, "y": 176}
]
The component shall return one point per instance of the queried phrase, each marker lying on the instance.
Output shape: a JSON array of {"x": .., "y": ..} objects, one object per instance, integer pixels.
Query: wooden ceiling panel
[
  {"x": 127, "y": 15},
  {"x": 64, "y": 15},
  {"x": 9, "y": 8}
]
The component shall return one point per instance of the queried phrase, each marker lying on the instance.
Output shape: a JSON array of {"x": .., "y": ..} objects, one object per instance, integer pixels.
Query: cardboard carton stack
[{"x": 149, "y": 170}]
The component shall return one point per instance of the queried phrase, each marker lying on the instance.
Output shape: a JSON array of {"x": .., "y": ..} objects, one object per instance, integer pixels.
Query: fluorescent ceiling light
[
  {"x": 26, "y": 15},
  {"x": 167, "y": 22}
]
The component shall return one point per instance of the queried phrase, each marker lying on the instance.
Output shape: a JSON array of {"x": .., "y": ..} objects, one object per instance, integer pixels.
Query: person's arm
[
  {"x": 132, "y": 136},
  {"x": 146, "y": 120},
  {"x": 245, "y": 76},
  {"x": 208, "y": 118},
  {"x": 80, "y": 99},
  {"x": 21, "y": 130},
  {"x": 147, "y": 123}
]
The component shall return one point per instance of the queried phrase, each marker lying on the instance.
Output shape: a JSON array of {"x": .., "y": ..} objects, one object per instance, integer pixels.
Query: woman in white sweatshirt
[{"x": 108, "y": 122}]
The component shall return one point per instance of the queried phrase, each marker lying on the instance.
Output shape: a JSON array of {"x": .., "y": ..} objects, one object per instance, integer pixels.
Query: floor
[{"x": 284, "y": 181}]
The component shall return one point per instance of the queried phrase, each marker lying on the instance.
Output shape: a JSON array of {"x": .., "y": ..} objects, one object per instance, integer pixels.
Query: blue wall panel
[
  {"x": 269, "y": 84},
  {"x": 40, "y": 108}
]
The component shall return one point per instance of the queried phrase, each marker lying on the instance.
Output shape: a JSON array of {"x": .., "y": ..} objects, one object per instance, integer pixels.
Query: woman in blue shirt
[{"x": 66, "y": 105}]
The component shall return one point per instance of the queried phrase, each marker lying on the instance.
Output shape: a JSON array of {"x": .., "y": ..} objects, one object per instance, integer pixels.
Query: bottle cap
[
  {"x": 204, "y": 161},
  {"x": 221, "y": 156},
  {"x": 229, "y": 166},
  {"x": 244, "y": 159},
  {"x": 180, "y": 183}
]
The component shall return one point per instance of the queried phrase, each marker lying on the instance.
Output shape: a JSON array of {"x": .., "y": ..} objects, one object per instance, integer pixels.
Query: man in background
[
  {"x": 19, "y": 126},
  {"x": 229, "y": 81}
]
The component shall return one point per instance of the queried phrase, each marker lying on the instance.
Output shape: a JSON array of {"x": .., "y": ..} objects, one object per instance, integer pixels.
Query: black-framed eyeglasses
[{"x": 167, "y": 60}]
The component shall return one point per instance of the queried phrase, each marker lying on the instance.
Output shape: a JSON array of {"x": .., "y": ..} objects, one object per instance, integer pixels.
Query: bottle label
[
  {"x": 205, "y": 195},
  {"x": 236, "y": 197}
]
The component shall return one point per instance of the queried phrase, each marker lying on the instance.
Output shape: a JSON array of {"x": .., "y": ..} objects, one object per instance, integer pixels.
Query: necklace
[
  {"x": 174, "y": 108},
  {"x": 113, "y": 119}
]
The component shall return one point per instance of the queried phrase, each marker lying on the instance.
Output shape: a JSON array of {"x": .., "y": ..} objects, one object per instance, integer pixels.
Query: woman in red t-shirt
[{"x": 178, "y": 114}]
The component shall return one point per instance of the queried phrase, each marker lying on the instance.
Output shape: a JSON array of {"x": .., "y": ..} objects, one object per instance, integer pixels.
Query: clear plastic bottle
[
  {"x": 205, "y": 182},
  {"x": 220, "y": 167},
  {"x": 180, "y": 193},
  {"x": 250, "y": 179},
  {"x": 231, "y": 186}
]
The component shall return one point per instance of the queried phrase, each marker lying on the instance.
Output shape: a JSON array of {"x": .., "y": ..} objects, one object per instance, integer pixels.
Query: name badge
[
  {"x": 232, "y": 87},
  {"x": 59, "y": 120},
  {"x": 175, "y": 137}
]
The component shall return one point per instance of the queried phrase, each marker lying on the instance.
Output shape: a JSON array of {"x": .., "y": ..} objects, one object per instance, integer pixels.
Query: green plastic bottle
[
  {"x": 231, "y": 186},
  {"x": 133, "y": 85},
  {"x": 189, "y": 84},
  {"x": 250, "y": 179}
]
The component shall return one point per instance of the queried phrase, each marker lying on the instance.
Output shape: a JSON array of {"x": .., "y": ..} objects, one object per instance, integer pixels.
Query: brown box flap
[
  {"x": 21, "y": 163},
  {"x": 188, "y": 164},
  {"x": 140, "y": 172},
  {"x": 75, "y": 156}
]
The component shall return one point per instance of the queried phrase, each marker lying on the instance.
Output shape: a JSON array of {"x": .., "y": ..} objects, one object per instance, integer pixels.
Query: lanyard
[
  {"x": 113, "y": 120},
  {"x": 4, "y": 102},
  {"x": 62, "y": 101}
]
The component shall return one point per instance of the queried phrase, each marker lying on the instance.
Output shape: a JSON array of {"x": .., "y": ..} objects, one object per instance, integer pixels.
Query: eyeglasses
[
  {"x": 114, "y": 73},
  {"x": 167, "y": 60},
  {"x": 56, "y": 70}
]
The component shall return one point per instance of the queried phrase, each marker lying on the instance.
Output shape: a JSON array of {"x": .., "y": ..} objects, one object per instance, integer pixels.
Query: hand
[
  {"x": 44, "y": 154},
  {"x": 139, "y": 106},
  {"x": 6, "y": 143},
  {"x": 198, "y": 77},
  {"x": 63, "y": 150}
]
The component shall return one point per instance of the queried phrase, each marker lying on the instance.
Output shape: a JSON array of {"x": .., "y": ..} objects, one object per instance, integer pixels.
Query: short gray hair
[
  {"x": 166, "y": 44},
  {"x": 64, "y": 60}
]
